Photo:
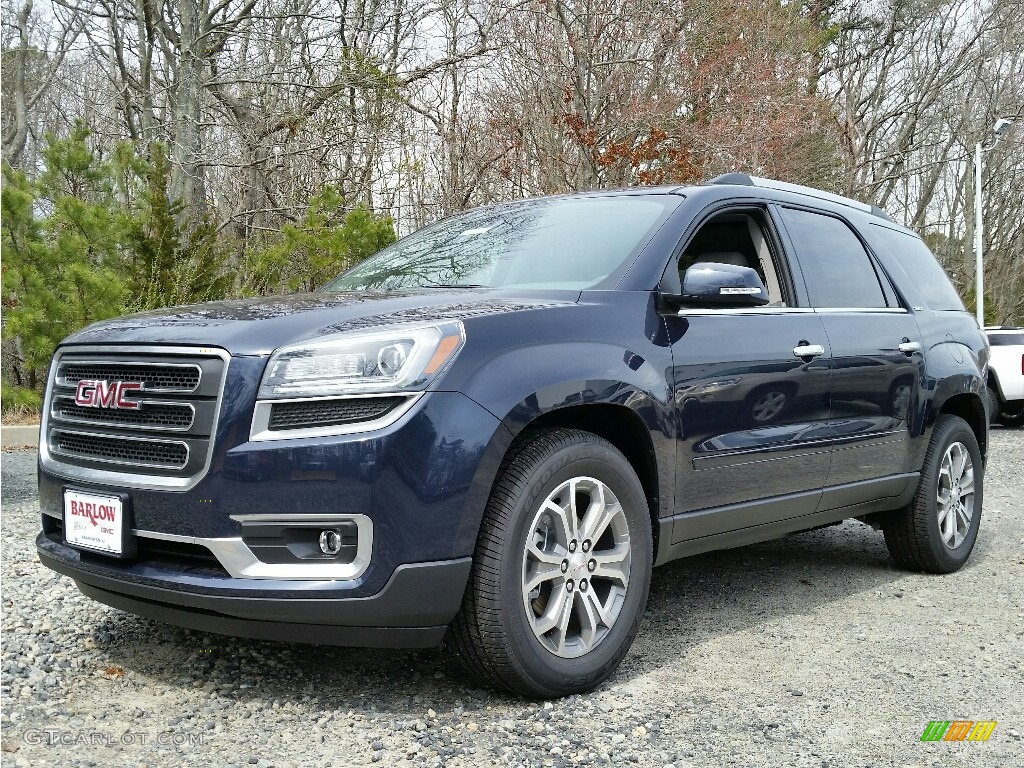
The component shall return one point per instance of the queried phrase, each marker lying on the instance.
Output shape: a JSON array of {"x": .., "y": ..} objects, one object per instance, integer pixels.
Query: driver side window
[{"x": 739, "y": 239}]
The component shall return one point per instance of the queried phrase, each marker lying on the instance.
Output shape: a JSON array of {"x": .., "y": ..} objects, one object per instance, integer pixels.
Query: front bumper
[
  {"x": 420, "y": 487},
  {"x": 411, "y": 611}
]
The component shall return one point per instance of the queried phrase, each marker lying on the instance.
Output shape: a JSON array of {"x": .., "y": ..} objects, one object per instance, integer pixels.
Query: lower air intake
[{"x": 326, "y": 413}]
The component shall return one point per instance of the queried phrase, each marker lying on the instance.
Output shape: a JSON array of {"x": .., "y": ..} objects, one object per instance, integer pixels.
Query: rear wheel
[
  {"x": 993, "y": 405},
  {"x": 561, "y": 571},
  {"x": 936, "y": 533},
  {"x": 1012, "y": 414}
]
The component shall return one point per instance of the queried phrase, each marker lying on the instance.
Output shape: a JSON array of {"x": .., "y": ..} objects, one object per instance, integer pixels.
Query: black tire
[
  {"x": 993, "y": 405},
  {"x": 1012, "y": 414},
  {"x": 912, "y": 535},
  {"x": 492, "y": 636}
]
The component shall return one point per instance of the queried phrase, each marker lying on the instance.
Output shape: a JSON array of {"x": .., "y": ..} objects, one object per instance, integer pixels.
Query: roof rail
[{"x": 746, "y": 180}]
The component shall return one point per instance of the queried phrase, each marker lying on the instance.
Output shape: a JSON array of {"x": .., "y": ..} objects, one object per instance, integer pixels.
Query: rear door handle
[
  {"x": 803, "y": 349},
  {"x": 908, "y": 347}
]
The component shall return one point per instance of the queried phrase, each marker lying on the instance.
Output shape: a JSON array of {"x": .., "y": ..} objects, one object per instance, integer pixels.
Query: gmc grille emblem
[{"x": 92, "y": 393}]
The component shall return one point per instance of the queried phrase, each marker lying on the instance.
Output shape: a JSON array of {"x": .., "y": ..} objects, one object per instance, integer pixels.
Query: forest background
[{"x": 160, "y": 152}]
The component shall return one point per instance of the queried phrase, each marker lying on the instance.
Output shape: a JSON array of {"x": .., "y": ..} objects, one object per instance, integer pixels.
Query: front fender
[{"x": 573, "y": 377}]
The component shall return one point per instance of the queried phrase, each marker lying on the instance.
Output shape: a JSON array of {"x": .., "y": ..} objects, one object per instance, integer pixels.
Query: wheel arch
[
  {"x": 969, "y": 407},
  {"x": 623, "y": 428}
]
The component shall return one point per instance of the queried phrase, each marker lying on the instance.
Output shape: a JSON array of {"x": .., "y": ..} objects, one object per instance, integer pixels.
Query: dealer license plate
[{"x": 94, "y": 522}]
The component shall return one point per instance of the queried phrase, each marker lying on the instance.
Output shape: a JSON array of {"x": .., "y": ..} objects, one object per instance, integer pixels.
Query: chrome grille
[{"x": 165, "y": 441}]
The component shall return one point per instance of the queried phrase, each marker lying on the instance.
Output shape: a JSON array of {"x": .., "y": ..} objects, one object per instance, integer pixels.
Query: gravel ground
[{"x": 809, "y": 651}]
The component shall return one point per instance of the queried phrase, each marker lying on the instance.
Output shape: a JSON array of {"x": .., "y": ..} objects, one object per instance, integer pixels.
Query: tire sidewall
[
  {"x": 951, "y": 431},
  {"x": 544, "y": 669},
  {"x": 993, "y": 404}
]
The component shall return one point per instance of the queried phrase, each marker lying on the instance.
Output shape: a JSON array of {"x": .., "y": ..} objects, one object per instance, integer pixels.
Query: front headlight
[{"x": 391, "y": 360}]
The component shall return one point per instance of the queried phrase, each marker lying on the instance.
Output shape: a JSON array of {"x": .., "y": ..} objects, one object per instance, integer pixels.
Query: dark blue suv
[{"x": 489, "y": 433}]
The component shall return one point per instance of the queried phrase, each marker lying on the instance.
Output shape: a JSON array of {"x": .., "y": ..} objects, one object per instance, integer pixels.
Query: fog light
[{"x": 330, "y": 542}]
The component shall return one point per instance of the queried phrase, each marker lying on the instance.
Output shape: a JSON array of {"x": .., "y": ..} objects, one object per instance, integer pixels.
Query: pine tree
[
  {"x": 330, "y": 240},
  {"x": 163, "y": 266},
  {"x": 60, "y": 268}
]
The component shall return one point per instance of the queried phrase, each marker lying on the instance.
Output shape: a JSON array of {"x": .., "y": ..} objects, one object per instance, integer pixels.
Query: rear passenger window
[{"x": 837, "y": 270}]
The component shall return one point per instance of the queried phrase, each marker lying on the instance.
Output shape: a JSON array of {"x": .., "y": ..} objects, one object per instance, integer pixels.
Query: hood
[{"x": 259, "y": 326}]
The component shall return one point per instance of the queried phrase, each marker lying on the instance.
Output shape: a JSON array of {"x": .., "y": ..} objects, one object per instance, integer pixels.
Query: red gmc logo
[{"x": 107, "y": 394}]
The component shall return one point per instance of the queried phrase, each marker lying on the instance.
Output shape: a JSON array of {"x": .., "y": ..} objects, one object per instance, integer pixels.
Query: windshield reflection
[{"x": 564, "y": 243}]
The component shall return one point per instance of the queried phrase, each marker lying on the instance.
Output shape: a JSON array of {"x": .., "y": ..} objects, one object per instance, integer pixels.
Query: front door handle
[
  {"x": 803, "y": 349},
  {"x": 908, "y": 347}
]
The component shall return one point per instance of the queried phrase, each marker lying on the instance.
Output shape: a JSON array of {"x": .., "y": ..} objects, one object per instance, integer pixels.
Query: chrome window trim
[
  {"x": 746, "y": 311},
  {"x": 128, "y": 479},
  {"x": 862, "y": 310},
  {"x": 260, "y": 430},
  {"x": 119, "y": 425},
  {"x": 132, "y": 438},
  {"x": 62, "y": 382},
  {"x": 793, "y": 311}
]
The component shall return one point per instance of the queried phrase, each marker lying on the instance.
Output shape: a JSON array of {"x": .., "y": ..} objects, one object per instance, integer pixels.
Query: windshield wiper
[{"x": 458, "y": 285}]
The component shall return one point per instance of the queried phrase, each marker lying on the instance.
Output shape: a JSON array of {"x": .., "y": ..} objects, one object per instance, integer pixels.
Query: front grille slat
[
  {"x": 324, "y": 413},
  {"x": 166, "y": 440},
  {"x": 171, "y": 454},
  {"x": 155, "y": 377},
  {"x": 153, "y": 415}
]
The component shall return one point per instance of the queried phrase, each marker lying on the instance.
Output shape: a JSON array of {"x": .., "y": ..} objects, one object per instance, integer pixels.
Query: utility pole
[{"x": 1002, "y": 126}]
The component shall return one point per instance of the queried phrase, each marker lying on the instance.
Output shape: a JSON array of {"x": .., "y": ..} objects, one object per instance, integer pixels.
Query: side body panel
[
  {"x": 874, "y": 386},
  {"x": 753, "y": 418}
]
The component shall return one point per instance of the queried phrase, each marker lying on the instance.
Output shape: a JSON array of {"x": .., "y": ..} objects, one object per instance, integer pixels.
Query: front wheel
[
  {"x": 936, "y": 533},
  {"x": 561, "y": 570}
]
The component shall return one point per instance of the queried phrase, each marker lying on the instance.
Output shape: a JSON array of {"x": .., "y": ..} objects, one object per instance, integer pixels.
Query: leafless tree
[
  {"x": 34, "y": 49},
  {"x": 424, "y": 107}
]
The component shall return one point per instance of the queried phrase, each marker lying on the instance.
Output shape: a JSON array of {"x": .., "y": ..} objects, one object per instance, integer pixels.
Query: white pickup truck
[{"x": 1006, "y": 376}]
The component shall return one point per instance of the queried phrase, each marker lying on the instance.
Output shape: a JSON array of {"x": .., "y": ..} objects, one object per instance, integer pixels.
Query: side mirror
[{"x": 712, "y": 284}]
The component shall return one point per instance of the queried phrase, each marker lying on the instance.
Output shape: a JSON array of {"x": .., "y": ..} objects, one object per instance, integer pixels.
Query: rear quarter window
[{"x": 919, "y": 263}]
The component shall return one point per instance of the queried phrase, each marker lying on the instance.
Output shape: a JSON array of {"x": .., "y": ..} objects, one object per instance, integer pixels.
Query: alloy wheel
[
  {"x": 576, "y": 564},
  {"x": 955, "y": 495}
]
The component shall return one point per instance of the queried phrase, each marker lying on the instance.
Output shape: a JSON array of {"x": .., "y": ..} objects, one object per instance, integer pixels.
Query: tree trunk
[{"x": 188, "y": 177}]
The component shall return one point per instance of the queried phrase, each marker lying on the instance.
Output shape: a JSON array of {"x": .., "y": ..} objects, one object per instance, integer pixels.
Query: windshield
[{"x": 570, "y": 243}]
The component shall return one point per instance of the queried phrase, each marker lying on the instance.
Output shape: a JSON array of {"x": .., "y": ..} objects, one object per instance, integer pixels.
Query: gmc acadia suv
[{"x": 491, "y": 431}]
